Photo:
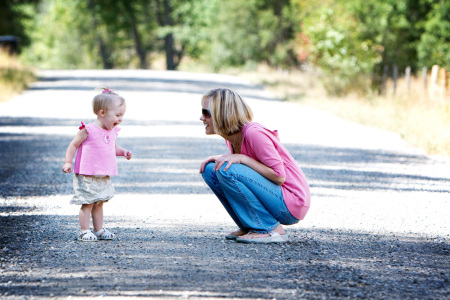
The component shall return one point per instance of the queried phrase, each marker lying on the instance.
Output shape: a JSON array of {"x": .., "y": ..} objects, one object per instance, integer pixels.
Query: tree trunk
[
  {"x": 104, "y": 53},
  {"x": 168, "y": 39},
  {"x": 140, "y": 51},
  {"x": 142, "y": 54}
]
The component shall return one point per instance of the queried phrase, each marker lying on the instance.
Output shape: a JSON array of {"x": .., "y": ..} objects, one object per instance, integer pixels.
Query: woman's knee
[
  {"x": 208, "y": 172},
  {"x": 230, "y": 172}
]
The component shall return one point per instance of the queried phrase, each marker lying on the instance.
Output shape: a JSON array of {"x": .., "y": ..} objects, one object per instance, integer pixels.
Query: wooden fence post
[
  {"x": 443, "y": 80},
  {"x": 395, "y": 75},
  {"x": 408, "y": 78},
  {"x": 384, "y": 79},
  {"x": 425, "y": 78},
  {"x": 433, "y": 82},
  {"x": 424, "y": 94},
  {"x": 447, "y": 88}
]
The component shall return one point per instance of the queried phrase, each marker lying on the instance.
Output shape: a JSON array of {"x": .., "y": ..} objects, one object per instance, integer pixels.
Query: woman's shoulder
[
  {"x": 251, "y": 126},
  {"x": 254, "y": 129}
]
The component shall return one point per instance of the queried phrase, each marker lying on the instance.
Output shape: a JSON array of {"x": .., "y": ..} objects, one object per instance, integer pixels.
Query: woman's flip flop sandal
[
  {"x": 86, "y": 236},
  {"x": 104, "y": 234},
  {"x": 274, "y": 237}
]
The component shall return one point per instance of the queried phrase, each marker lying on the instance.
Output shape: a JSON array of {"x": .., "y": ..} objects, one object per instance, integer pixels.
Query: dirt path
[{"x": 378, "y": 227}]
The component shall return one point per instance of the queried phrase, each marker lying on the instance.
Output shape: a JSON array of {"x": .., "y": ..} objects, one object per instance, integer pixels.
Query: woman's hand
[
  {"x": 229, "y": 159},
  {"x": 208, "y": 160}
]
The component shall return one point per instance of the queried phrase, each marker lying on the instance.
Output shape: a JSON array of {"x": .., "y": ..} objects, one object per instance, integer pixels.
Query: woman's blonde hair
[
  {"x": 229, "y": 111},
  {"x": 104, "y": 100}
]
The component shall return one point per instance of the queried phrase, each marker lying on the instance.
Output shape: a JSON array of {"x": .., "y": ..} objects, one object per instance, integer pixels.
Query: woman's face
[{"x": 206, "y": 119}]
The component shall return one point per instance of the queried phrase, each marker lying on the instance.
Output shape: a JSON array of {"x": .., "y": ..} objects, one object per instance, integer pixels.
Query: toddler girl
[{"x": 96, "y": 162}]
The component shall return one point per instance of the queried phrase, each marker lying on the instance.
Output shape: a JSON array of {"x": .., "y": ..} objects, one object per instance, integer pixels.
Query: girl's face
[
  {"x": 206, "y": 118},
  {"x": 113, "y": 116}
]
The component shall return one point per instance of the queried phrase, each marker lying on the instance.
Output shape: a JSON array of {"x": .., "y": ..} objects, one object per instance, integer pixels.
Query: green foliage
[
  {"x": 254, "y": 31},
  {"x": 352, "y": 39},
  {"x": 55, "y": 43},
  {"x": 91, "y": 34},
  {"x": 349, "y": 40},
  {"x": 12, "y": 15},
  {"x": 434, "y": 46},
  {"x": 399, "y": 34},
  {"x": 194, "y": 21},
  {"x": 339, "y": 46}
]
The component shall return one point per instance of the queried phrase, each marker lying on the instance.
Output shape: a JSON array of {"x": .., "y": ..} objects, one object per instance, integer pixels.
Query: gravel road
[{"x": 378, "y": 227}]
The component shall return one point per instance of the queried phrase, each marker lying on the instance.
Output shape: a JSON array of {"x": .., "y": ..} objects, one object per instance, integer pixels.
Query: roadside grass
[
  {"x": 421, "y": 121},
  {"x": 14, "y": 77}
]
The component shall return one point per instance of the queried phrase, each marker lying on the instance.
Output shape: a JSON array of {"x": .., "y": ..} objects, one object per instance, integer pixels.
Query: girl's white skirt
[{"x": 91, "y": 189}]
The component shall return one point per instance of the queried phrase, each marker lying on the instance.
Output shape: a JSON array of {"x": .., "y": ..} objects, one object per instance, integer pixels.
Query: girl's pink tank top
[{"x": 97, "y": 154}]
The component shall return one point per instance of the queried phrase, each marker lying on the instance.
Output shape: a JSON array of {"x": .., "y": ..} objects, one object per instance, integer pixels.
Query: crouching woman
[{"x": 259, "y": 183}]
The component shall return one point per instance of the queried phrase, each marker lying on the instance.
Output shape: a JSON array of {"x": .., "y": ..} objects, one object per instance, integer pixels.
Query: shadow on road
[
  {"x": 30, "y": 165},
  {"x": 147, "y": 84}
]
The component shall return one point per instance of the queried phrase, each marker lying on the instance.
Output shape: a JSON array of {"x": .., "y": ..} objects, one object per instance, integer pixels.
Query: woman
[{"x": 259, "y": 183}]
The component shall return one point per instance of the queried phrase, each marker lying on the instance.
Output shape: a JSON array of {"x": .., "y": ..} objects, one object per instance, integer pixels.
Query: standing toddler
[{"x": 96, "y": 148}]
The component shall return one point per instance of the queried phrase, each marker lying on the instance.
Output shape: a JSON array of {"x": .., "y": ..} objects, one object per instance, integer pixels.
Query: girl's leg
[
  {"x": 257, "y": 201},
  {"x": 210, "y": 177},
  {"x": 97, "y": 216},
  {"x": 85, "y": 216}
]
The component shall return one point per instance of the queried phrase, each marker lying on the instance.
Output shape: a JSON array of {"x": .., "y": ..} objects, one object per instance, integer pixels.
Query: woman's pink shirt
[{"x": 263, "y": 145}]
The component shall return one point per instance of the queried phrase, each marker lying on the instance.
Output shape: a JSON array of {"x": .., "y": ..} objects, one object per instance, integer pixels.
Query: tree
[
  {"x": 125, "y": 24},
  {"x": 12, "y": 15},
  {"x": 434, "y": 45},
  {"x": 337, "y": 43},
  {"x": 56, "y": 41},
  {"x": 102, "y": 33},
  {"x": 253, "y": 31},
  {"x": 396, "y": 26},
  {"x": 165, "y": 20},
  {"x": 354, "y": 39}
]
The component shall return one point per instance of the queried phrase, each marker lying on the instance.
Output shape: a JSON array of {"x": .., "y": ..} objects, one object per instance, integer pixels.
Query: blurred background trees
[{"x": 350, "y": 41}]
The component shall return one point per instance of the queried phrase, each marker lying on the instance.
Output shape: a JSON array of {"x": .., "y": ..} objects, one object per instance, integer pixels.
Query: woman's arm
[
  {"x": 79, "y": 138},
  {"x": 262, "y": 155}
]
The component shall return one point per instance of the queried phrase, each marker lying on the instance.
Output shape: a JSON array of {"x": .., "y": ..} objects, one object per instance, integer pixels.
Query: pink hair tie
[{"x": 107, "y": 91}]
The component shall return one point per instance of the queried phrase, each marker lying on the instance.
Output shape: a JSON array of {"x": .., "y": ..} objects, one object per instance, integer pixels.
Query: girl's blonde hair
[
  {"x": 104, "y": 100},
  {"x": 229, "y": 111}
]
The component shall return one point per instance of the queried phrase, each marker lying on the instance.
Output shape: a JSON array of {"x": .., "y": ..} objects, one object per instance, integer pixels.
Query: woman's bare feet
[
  {"x": 233, "y": 235},
  {"x": 238, "y": 232}
]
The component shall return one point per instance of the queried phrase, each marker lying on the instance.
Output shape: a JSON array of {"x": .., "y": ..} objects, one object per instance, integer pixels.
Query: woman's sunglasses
[{"x": 206, "y": 113}]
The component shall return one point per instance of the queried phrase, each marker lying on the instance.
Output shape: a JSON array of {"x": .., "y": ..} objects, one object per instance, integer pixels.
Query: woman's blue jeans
[{"x": 253, "y": 202}]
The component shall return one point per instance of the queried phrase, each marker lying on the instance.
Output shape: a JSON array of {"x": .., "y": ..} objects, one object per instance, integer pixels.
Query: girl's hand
[
  {"x": 67, "y": 168},
  {"x": 229, "y": 159},
  {"x": 128, "y": 154},
  {"x": 206, "y": 161}
]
